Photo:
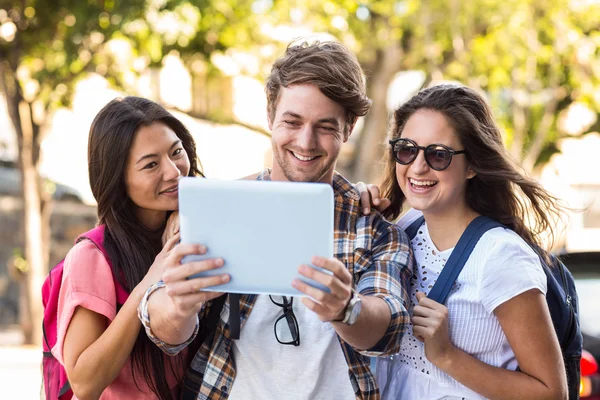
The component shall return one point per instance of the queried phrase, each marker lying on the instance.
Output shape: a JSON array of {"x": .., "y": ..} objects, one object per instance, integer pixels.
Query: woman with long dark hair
[
  {"x": 448, "y": 162},
  {"x": 137, "y": 153}
]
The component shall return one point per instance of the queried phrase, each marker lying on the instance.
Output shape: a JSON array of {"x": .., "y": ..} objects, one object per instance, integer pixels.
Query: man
[{"x": 315, "y": 93}]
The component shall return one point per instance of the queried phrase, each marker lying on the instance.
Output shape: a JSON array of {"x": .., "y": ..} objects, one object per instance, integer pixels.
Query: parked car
[
  {"x": 585, "y": 267},
  {"x": 10, "y": 184}
]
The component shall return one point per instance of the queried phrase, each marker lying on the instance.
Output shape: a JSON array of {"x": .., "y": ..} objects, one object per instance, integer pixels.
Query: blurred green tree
[
  {"x": 45, "y": 47},
  {"x": 532, "y": 58}
]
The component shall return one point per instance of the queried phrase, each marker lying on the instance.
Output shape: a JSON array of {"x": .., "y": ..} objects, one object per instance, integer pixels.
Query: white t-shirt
[
  {"x": 500, "y": 267},
  {"x": 266, "y": 369}
]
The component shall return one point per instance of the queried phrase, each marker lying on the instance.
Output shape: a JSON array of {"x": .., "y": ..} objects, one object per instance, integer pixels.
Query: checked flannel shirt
[{"x": 378, "y": 255}]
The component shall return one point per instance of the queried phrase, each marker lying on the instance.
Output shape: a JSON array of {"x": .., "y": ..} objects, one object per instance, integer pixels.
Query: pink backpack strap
[{"x": 96, "y": 235}]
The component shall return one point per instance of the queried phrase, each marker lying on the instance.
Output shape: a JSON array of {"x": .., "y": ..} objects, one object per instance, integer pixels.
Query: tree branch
[{"x": 224, "y": 121}]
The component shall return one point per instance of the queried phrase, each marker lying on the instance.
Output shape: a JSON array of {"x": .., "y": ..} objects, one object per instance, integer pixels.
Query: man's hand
[
  {"x": 328, "y": 306},
  {"x": 370, "y": 196}
]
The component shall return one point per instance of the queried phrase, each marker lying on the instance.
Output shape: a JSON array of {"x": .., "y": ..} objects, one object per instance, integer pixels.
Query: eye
[
  {"x": 150, "y": 165},
  {"x": 328, "y": 129},
  {"x": 178, "y": 152},
  {"x": 291, "y": 123}
]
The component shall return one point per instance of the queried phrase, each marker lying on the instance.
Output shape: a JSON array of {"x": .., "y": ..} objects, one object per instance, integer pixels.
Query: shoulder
[
  {"x": 86, "y": 267},
  {"x": 503, "y": 243},
  {"x": 507, "y": 266}
]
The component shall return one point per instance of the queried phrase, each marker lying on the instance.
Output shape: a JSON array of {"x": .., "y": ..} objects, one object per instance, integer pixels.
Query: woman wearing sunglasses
[{"x": 448, "y": 162}]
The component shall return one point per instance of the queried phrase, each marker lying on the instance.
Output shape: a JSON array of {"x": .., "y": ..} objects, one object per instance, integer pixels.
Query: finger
[
  {"x": 195, "y": 300},
  {"x": 429, "y": 303},
  {"x": 184, "y": 271},
  {"x": 170, "y": 243},
  {"x": 182, "y": 288},
  {"x": 420, "y": 295},
  {"x": 323, "y": 313},
  {"x": 334, "y": 265},
  {"x": 185, "y": 249},
  {"x": 317, "y": 294},
  {"x": 423, "y": 311},
  {"x": 375, "y": 195},
  {"x": 365, "y": 197},
  {"x": 419, "y": 333},
  {"x": 383, "y": 204},
  {"x": 421, "y": 322},
  {"x": 337, "y": 288}
]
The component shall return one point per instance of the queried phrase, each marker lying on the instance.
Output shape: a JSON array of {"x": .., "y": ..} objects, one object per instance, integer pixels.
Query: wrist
[
  {"x": 447, "y": 359},
  {"x": 350, "y": 313}
]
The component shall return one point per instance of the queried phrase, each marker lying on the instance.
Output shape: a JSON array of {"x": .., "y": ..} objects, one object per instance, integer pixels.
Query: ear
[
  {"x": 269, "y": 120},
  {"x": 470, "y": 173},
  {"x": 349, "y": 132}
]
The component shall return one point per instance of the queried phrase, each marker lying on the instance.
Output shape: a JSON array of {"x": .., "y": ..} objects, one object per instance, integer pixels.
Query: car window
[{"x": 588, "y": 289}]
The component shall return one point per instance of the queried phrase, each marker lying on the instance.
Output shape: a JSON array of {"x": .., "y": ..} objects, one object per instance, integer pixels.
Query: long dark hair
[
  {"x": 130, "y": 245},
  {"x": 500, "y": 189}
]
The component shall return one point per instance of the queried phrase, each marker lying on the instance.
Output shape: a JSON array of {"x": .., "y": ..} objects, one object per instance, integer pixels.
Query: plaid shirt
[{"x": 378, "y": 255}]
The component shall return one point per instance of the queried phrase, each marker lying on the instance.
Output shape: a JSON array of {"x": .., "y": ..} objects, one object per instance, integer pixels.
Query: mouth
[
  {"x": 421, "y": 184},
  {"x": 170, "y": 190},
  {"x": 303, "y": 158}
]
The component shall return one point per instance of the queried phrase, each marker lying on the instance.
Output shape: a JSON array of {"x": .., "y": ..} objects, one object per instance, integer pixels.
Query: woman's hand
[
  {"x": 172, "y": 227},
  {"x": 159, "y": 266},
  {"x": 430, "y": 326},
  {"x": 370, "y": 197}
]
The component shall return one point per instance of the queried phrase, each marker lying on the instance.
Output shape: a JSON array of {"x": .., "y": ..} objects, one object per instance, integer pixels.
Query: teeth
[
  {"x": 422, "y": 183},
  {"x": 302, "y": 158},
  {"x": 170, "y": 190}
]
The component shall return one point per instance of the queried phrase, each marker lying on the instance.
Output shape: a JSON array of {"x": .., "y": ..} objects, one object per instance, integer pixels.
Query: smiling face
[
  {"x": 428, "y": 190},
  {"x": 156, "y": 162},
  {"x": 307, "y": 135}
]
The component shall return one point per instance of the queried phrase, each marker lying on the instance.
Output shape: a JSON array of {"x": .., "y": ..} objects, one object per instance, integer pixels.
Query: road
[{"x": 20, "y": 368}]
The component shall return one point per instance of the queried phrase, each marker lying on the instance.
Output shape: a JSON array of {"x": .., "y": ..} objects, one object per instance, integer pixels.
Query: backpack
[
  {"x": 561, "y": 295},
  {"x": 54, "y": 376}
]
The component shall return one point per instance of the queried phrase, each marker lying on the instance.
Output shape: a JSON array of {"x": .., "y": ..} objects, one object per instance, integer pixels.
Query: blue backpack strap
[
  {"x": 413, "y": 228},
  {"x": 457, "y": 260}
]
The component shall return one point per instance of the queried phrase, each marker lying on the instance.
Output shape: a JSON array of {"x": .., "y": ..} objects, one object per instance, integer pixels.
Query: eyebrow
[
  {"x": 142, "y": 158},
  {"x": 332, "y": 120}
]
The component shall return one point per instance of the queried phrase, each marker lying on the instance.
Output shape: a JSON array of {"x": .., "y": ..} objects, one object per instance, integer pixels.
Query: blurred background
[{"x": 536, "y": 61}]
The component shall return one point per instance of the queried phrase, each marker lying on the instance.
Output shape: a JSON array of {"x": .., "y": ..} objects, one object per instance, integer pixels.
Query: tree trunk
[
  {"x": 368, "y": 156},
  {"x": 29, "y": 147},
  {"x": 34, "y": 247}
]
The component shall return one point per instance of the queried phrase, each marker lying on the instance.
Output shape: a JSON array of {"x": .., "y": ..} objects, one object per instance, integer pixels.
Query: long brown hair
[
  {"x": 500, "y": 189},
  {"x": 130, "y": 245}
]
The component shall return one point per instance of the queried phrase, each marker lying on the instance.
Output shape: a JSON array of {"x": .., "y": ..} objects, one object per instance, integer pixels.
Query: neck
[
  {"x": 277, "y": 174},
  {"x": 153, "y": 220},
  {"x": 445, "y": 229}
]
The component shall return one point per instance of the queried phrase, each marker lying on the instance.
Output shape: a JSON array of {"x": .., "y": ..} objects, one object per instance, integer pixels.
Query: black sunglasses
[
  {"x": 437, "y": 156},
  {"x": 290, "y": 334}
]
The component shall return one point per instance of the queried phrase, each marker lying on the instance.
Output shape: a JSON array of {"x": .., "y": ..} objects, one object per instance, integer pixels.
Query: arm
[
  {"x": 94, "y": 354},
  {"x": 375, "y": 315},
  {"x": 381, "y": 286},
  {"x": 526, "y": 322}
]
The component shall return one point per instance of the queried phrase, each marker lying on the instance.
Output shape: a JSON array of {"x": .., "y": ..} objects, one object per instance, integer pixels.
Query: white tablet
[{"x": 263, "y": 230}]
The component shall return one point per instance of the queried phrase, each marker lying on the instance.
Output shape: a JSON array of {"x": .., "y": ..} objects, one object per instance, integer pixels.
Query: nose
[
  {"x": 172, "y": 171},
  {"x": 306, "y": 138},
  {"x": 420, "y": 166}
]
